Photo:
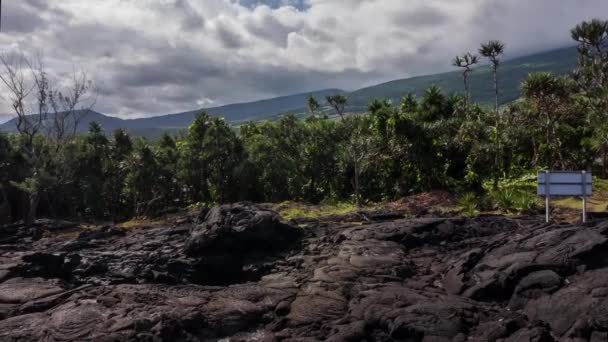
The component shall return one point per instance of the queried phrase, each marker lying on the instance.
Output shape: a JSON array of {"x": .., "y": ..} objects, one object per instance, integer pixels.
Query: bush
[
  {"x": 469, "y": 203},
  {"x": 526, "y": 202},
  {"x": 504, "y": 199}
]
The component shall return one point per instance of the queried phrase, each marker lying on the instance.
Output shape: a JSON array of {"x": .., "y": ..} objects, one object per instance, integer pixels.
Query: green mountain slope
[
  {"x": 234, "y": 113},
  {"x": 108, "y": 123},
  {"x": 511, "y": 74}
]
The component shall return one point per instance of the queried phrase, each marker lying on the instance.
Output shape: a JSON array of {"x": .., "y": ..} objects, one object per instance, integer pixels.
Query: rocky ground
[{"x": 239, "y": 273}]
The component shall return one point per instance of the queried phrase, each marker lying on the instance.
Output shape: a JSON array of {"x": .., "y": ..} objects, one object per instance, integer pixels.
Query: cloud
[{"x": 163, "y": 56}]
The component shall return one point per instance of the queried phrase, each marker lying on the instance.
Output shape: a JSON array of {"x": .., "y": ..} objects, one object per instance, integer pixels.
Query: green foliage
[
  {"x": 526, "y": 202},
  {"x": 504, "y": 198},
  {"x": 436, "y": 141},
  {"x": 469, "y": 203}
]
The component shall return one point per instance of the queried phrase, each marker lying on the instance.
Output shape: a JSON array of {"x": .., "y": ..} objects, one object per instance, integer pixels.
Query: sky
[{"x": 151, "y": 57}]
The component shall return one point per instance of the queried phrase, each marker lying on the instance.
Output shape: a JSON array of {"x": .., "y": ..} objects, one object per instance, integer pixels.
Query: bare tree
[{"x": 42, "y": 109}]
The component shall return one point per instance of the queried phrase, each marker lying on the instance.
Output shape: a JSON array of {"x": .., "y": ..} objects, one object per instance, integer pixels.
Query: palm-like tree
[
  {"x": 466, "y": 62},
  {"x": 492, "y": 50},
  {"x": 338, "y": 103},
  {"x": 591, "y": 34},
  {"x": 313, "y": 105}
]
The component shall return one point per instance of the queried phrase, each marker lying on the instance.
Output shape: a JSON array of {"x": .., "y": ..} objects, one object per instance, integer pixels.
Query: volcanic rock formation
[{"x": 242, "y": 274}]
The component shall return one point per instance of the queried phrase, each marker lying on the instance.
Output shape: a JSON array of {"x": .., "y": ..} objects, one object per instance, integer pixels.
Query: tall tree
[
  {"x": 338, "y": 103},
  {"x": 117, "y": 168},
  {"x": 141, "y": 179},
  {"x": 93, "y": 170},
  {"x": 592, "y": 70},
  {"x": 466, "y": 63},
  {"x": 34, "y": 97},
  {"x": 194, "y": 172},
  {"x": 313, "y": 105},
  {"x": 550, "y": 97},
  {"x": 492, "y": 50}
]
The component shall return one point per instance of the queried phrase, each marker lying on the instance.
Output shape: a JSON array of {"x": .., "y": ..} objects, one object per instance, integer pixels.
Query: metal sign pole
[
  {"x": 584, "y": 192},
  {"x": 547, "y": 218}
]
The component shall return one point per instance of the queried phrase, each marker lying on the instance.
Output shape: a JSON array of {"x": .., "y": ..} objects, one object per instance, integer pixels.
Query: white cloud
[{"x": 154, "y": 57}]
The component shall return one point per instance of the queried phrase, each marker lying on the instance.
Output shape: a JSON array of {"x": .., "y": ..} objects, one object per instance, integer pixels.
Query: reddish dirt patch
[{"x": 423, "y": 201}]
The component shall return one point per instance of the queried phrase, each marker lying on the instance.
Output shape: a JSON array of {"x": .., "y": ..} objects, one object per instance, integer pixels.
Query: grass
[
  {"x": 137, "y": 223},
  {"x": 595, "y": 203},
  {"x": 468, "y": 203},
  {"x": 291, "y": 210}
]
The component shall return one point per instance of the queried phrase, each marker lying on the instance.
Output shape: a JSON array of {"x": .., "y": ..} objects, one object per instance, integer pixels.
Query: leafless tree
[{"x": 42, "y": 108}]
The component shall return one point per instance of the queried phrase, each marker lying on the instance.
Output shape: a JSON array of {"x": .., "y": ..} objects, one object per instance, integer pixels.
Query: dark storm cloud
[
  {"x": 94, "y": 40},
  {"x": 191, "y": 20},
  {"x": 422, "y": 17},
  {"x": 175, "y": 66},
  {"x": 229, "y": 39},
  {"x": 164, "y": 56},
  {"x": 22, "y": 18}
]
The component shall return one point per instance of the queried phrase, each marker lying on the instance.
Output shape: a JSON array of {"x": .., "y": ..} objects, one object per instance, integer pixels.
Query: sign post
[
  {"x": 547, "y": 197},
  {"x": 564, "y": 183},
  {"x": 583, "y": 176}
]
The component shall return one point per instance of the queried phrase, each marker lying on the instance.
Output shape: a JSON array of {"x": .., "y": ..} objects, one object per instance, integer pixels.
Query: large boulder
[{"x": 241, "y": 228}]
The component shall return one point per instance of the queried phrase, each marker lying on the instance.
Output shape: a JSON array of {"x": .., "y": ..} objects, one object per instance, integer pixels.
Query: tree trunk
[
  {"x": 549, "y": 154},
  {"x": 30, "y": 218},
  {"x": 497, "y": 155},
  {"x": 467, "y": 98},
  {"x": 605, "y": 162},
  {"x": 357, "y": 194},
  {"x": 5, "y": 208}
]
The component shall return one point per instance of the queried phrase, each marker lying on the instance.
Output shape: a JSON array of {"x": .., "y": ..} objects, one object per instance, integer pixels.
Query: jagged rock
[
  {"x": 245, "y": 275},
  {"x": 241, "y": 228}
]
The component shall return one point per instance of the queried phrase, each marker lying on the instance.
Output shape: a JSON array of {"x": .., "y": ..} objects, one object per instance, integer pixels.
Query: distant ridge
[
  {"x": 512, "y": 73},
  {"x": 235, "y": 113}
]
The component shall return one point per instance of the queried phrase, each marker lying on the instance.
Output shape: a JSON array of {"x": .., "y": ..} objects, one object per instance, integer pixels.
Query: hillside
[
  {"x": 512, "y": 72},
  {"x": 108, "y": 123},
  {"x": 235, "y": 113},
  {"x": 5, "y": 117}
]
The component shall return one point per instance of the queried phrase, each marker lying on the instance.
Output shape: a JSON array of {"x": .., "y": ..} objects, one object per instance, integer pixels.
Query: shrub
[
  {"x": 526, "y": 202},
  {"x": 469, "y": 202},
  {"x": 504, "y": 199}
]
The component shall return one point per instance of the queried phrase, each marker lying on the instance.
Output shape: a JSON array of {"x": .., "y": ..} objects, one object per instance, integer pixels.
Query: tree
[
  {"x": 93, "y": 170},
  {"x": 550, "y": 97},
  {"x": 338, "y": 103},
  {"x": 168, "y": 158},
  {"x": 29, "y": 86},
  {"x": 313, "y": 105},
  {"x": 466, "y": 62},
  {"x": 141, "y": 179},
  {"x": 6, "y": 164},
  {"x": 492, "y": 51},
  {"x": 358, "y": 148},
  {"x": 592, "y": 70},
  {"x": 223, "y": 153}
]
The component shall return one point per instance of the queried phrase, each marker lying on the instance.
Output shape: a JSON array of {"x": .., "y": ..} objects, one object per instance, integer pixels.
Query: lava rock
[{"x": 241, "y": 228}]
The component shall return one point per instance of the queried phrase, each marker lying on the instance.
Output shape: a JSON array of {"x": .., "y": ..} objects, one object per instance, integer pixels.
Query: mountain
[
  {"x": 234, "y": 113},
  {"x": 5, "y": 117},
  {"x": 107, "y": 122},
  {"x": 512, "y": 73}
]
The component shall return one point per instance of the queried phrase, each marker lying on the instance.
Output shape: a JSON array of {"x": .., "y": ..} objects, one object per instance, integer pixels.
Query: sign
[{"x": 565, "y": 183}]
